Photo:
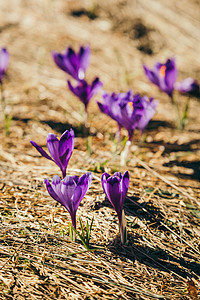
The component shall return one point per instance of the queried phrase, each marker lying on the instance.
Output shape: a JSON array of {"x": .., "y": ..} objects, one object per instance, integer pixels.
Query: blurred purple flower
[
  {"x": 163, "y": 75},
  {"x": 69, "y": 192},
  {"x": 60, "y": 150},
  {"x": 188, "y": 85},
  {"x": 72, "y": 63},
  {"x": 4, "y": 60},
  {"x": 129, "y": 111},
  {"x": 137, "y": 113},
  {"x": 111, "y": 104},
  {"x": 84, "y": 91},
  {"x": 115, "y": 188}
]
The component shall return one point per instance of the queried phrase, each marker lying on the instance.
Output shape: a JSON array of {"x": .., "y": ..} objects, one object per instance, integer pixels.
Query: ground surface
[{"x": 38, "y": 260}]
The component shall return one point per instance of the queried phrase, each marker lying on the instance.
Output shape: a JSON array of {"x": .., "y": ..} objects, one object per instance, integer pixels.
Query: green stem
[
  {"x": 85, "y": 123},
  {"x": 179, "y": 122},
  {"x": 123, "y": 229},
  {"x": 3, "y": 103},
  {"x": 125, "y": 153},
  {"x": 185, "y": 113}
]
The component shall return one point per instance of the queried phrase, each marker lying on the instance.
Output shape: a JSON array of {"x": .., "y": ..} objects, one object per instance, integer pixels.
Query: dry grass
[{"x": 38, "y": 260}]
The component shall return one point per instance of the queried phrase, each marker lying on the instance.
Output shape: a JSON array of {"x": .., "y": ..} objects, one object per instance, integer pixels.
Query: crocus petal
[
  {"x": 56, "y": 185},
  {"x": 72, "y": 63},
  {"x": 188, "y": 85},
  {"x": 4, "y": 60},
  {"x": 82, "y": 186},
  {"x": 60, "y": 62},
  {"x": 67, "y": 188},
  {"x": 40, "y": 150},
  {"x": 53, "y": 146},
  {"x": 72, "y": 89},
  {"x": 146, "y": 114},
  {"x": 125, "y": 186},
  {"x": 65, "y": 149},
  {"x": 170, "y": 75},
  {"x": 115, "y": 188},
  {"x": 84, "y": 91},
  {"x": 114, "y": 192},
  {"x": 95, "y": 87},
  {"x": 84, "y": 58},
  {"x": 51, "y": 191},
  {"x": 104, "y": 179},
  {"x": 103, "y": 108},
  {"x": 163, "y": 75},
  {"x": 151, "y": 75}
]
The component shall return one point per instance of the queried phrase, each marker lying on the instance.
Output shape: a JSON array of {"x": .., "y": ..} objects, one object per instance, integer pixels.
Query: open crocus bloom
[
  {"x": 69, "y": 192},
  {"x": 4, "y": 60},
  {"x": 128, "y": 111},
  {"x": 84, "y": 91},
  {"x": 60, "y": 150},
  {"x": 115, "y": 188},
  {"x": 163, "y": 75},
  {"x": 188, "y": 85},
  {"x": 72, "y": 63},
  {"x": 111, "y": 104},
  {"x": 137, "y": 113}
]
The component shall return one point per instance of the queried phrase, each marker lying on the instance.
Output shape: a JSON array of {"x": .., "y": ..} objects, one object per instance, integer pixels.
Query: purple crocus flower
[
  {"x": 111, "y": 105},
  {"x": 60, "y": 150},
  {"x": 4, "y": 60},
  {"x": 84, "y": 91},
  {"x": 115, "y": 188},
  {"x": 69, "y": 192},
  {"x": 188, "y": 85},
  {"x": 72, "y": 63},
  {"x": 163, "y": 75},
  {"x": 137, "y": 113},
  {"x": 129, "y": 111}
]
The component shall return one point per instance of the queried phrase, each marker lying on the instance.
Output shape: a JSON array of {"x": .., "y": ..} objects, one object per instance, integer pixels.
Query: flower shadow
[
  {"x": 193, "y": 166},
  {"x": 141, "y": 248},
  {"x": 154, "y": 257},
  {"x": 80, "y": 131},
  {"x": 146, "y": 211}
]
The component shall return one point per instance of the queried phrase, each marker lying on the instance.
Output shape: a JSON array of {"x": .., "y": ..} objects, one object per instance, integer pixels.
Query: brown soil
[{"x": 38, "y": 259}]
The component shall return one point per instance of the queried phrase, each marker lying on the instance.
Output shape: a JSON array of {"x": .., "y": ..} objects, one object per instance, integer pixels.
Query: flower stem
[
  {"x": 3, "y": 103},
  {"x": 118, "y": 134},
  {"x": 85, "y": 122},
  {"x": 179, "y": 121},
  {"x": 185, "y": 114},
  {"x": 6, "y": 117},
  {"x": 125, "y": 153},
  {"x": 123, "y": 229}
]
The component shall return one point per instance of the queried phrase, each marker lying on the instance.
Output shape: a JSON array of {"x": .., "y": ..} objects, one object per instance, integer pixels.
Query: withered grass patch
[{"x": 162, "y": 257}]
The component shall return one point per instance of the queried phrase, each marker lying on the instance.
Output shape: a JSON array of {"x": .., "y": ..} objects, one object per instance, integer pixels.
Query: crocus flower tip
[
  {"x": 75, "y": 64},
  {"x": 69, "y": 192},
  {"x": 115, "y": 188},
  {"x": 59, "y": 149}
]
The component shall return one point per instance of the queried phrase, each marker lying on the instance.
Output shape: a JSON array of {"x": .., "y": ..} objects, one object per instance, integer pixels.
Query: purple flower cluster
[
  {"x": 128, "y": 110},
  {"x": 76, "y": 64},
  {"x": 164, "y": 75},
  {"x": 70, "y": 191}
]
